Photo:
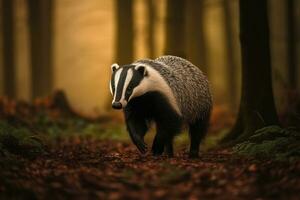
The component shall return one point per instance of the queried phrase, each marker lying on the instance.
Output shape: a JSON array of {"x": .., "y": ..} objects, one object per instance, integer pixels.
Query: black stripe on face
[
  {"x": 121, "y": 83},
  {"x": 135, "y": 81}
]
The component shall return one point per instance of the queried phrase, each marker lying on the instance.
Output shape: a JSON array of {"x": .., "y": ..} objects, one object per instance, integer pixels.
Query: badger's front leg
[
  {"x": 137, "y": 128},
  {"x": 161, "y": 142},
  {"x": 158, "y": 144},
  {"x": 166, "y": 130}
]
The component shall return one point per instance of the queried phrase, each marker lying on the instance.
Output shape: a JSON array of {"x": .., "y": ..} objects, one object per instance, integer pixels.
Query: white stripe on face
[
  {"x": 117, "y": 78},
  {"x": 129, "y": 76},
  {"x": 110, "y": 88}
]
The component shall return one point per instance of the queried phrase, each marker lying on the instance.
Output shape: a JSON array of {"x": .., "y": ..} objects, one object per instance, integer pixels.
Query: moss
[
  {"x": 272, "y": 142},
  {"x": 112, "y": 132},
  {"x": 212, "y": 140},
  {"x": 75, "y": 126},
  {"x": 19, "y": 141}
]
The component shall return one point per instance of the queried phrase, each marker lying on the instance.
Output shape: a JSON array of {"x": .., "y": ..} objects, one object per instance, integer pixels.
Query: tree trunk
[
  {"x": 232, "y": 65},
  {"x": 41, "y": 31},
  {"x": 196, "y": 48},
  {"x": 151, "y": 28},
  {"x": 124, "y": 34},
  {"x": 257, "y": 107},
  {"x": 9, "y": 65},
  {"x": 291, "y": 42},
  {"x": 175, "y": 33}
]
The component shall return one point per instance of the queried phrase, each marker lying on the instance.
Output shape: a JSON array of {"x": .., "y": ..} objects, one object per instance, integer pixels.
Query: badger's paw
[{"x": 142, "y": 146}]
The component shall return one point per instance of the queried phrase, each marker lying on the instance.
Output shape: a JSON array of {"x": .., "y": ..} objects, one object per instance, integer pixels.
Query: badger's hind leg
[{"x": 197, "y": 131}]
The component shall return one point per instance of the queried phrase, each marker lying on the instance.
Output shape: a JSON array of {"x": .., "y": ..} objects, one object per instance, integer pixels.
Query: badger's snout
[{"x": 117, "y": 105}]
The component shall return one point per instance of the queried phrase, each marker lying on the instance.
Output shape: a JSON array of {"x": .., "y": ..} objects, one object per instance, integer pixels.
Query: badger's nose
[{"x": 117, "y": 105}]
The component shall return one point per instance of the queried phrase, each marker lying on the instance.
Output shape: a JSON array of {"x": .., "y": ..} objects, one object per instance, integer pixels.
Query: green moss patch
[
  {"x": 272, "y": 142},
  {"x": 19, "y": 141}
]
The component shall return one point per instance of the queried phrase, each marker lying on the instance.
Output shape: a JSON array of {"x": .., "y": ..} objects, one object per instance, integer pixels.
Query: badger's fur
[{"x": 169, "y": 91}]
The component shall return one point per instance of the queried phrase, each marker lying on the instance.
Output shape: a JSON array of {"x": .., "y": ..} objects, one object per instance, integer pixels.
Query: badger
[{"x": 169, "y": 91}]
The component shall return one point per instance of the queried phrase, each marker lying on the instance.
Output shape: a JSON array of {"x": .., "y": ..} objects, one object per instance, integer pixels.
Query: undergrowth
[
  {"x": 272, "y": 142},
  {"x": 19, "y": 141}
]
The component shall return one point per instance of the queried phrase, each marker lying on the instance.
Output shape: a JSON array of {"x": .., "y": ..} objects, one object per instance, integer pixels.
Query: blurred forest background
[{"x": 65, "y": 44}]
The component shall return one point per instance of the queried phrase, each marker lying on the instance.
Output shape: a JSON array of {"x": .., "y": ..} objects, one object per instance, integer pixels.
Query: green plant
[{"x": 272, "y": 142}]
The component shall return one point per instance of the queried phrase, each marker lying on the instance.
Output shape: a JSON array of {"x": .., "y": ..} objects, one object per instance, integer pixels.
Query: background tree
[
  {"x": 291, "y": 43},
  {"x": 41, "y": 34},
  {"x": 124, "y": 35},
  {"x": 257, "y": 107},
  {"x": 195, "y": 34},
  {"x": 231, "y": 64},
  {"x": 175, "y": 28},
  {"x": 151, "y": 28},
  {"x": 9, "y": 67}
]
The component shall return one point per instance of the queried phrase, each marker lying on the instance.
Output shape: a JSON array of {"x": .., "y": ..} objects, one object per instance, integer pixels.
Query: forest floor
[
  {"x": 102, "y": 169},
  {"x": 70, "y": 161}
]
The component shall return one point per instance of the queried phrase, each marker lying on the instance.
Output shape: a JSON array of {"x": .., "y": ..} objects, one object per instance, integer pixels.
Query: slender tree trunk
[
  {"x": 257, "y": 107},
  {"x": 151, "y": 23},
  {"x": 291, "y": 41},
  {"x": 175, "y": 28},
  {"x": 125, "y": 33},
  {"x": 41, "y": 33},
  {"x": 196, "y": 46},
  {"x": 232, "y": 65},
  {"x": 9, "y": 49}
]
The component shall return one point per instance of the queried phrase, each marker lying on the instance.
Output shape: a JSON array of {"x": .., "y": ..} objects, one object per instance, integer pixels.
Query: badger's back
[{"x": 189, "y": 85}]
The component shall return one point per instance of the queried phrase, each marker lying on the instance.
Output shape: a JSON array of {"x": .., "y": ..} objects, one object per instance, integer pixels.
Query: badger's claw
[
  {"x": 142, "y": 147},
  {"x": 140, "y": 144}
]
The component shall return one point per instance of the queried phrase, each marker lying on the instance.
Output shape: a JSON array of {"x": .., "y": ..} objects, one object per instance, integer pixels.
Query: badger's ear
[
  {"x": 142, "y": 69},
  {"x": 114, "y": 67}
]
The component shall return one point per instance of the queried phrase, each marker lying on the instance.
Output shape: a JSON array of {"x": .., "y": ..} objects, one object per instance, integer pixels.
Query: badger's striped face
[{"x": 124, "y": 83}]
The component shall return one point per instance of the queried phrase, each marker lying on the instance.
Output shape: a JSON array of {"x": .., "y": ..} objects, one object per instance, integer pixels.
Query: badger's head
[{"x": 125, "y": 83}]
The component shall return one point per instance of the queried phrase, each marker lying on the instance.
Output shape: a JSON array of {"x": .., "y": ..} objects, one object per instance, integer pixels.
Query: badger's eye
[
  {"x": 129, "y": 90},
  {"x": 128, "y": 93}
]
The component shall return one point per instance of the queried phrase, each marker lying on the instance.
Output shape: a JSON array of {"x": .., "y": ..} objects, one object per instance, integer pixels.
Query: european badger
[{"x": 169, "y": 91}]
